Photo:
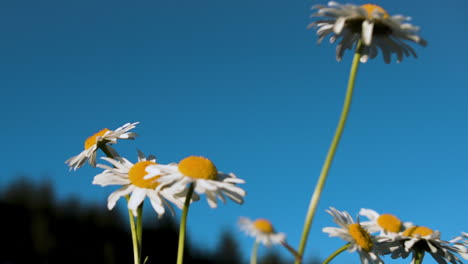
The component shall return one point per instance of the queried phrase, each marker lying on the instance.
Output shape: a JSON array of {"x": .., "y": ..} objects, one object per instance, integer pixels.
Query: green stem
[
  {"x": 183, "y": 224},
  {"x": 292, "y": 251},
  {"x": 136, "y": 250},
  {"x": 253, "y": 257},
  {"x": 336, "y": 253},
  {"x": 139, "y": 229},
  {"x": 418, "y": 256},
  {"x": 331, "y": 152}
]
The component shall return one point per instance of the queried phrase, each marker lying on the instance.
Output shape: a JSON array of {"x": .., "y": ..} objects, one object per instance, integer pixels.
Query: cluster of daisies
[
  {"x": 163, "y": 184},
  {"x": 386, "y": 234},
  {"x": 366, "y": 28}
]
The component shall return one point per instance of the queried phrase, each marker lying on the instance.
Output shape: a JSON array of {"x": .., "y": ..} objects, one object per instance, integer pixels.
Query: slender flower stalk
[
  {"x": 183, "y": 224},
  {"x": 135, "y": 240},
  {"x": 292, "y": 251},
  {"x": 336, "y": 253},
  {"x": 253, "y": 257},
  {"x": 139, "y": 229},
  {"x": 331, "y": 152},
  {"x": 419, "y": 256}
]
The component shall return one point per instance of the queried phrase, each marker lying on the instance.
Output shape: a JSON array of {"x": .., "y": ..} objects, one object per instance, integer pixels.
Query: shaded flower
[
  {"x": 420, "y": 239},
  {"x": 131, "y": 177},
  {"x": 359, "y": 238},
  {"x": 369, "y": 23},
  {"x": 103, "y": 138},
  {"x": 262, "y": 230},
  {"x": 203, "y": 174}
]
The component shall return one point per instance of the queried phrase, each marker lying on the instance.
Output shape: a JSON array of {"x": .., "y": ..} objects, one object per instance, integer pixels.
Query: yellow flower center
[
  {"x": 371, "y": 8},
  {"x": 389, "y": 223},
  {"x": 92, "y": 139},
  {"x": 361, "y": 236},
  {"x": 138, "y": 171},
  {"x": 198, "y": 168},
  {"x": 417, "y": 230},
  {"x": 264, "y": 226}
]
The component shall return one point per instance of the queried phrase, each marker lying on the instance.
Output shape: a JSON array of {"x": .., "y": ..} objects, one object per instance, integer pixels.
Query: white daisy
[
  {"x": 369, "y": 23},
  {"x": 203, "y": 174},
  {"x": 101, "y": 139},
  {"x": 420, "y": 239},
  {"x": 386, "y": 224},
  {"x": 262, "y": 230},
  {"x": 131, "y": 176},
  {"x": 359, "y": 238}
]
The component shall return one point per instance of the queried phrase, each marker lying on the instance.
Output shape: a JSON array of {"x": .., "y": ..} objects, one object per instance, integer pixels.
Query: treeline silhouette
[{"x": 38, "y": 228}]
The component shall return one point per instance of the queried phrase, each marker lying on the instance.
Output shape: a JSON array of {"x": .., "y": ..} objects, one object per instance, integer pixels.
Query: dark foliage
[{"x": 36, "y": 228}]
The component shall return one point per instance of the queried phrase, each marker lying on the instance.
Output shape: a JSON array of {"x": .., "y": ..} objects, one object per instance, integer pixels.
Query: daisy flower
[
  {"x": 262, "y": 230},
  {"x": 386, "y": 224},
  {"x": 359, "y": 238},
  {"x": 131, "y": 177},
  {"x": 204, "y": 175},
  {"x": 369, "y": 23},
  {"x": 417, "y": 239},
  {"x": 103, "y": 138}
]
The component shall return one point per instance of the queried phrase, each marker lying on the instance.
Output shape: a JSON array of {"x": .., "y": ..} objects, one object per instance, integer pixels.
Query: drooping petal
[
  {"x": 112, "y": 200},
  {"x": 138, "y": 195}
]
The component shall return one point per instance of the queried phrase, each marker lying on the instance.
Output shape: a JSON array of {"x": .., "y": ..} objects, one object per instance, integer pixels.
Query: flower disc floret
[
  {"x": 361, "y": 236},
  {"x": 198, "y": 168},
  {"x": 389, "y": 222},
  {"x": 264, "y": 226},
  {"x": 371, "y": 9},
  {"x": 137, "y": 173},
  {"x": 92, "y": 140},
  {"x": 418, "y": 231}
]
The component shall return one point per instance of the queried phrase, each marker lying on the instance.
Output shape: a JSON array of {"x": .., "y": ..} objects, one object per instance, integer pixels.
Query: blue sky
[{"x": 245, "y": 84}]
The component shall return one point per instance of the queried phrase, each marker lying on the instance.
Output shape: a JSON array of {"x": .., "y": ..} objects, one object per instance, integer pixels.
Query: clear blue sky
[{"x": 243, "y": 83}]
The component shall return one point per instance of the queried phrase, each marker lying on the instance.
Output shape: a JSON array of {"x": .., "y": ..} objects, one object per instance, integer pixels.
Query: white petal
[
  {"x": 92, "y": 159},
  {"x": 156, "y": 202},
  {"x": 211, "y": 198},
  {"x": 105, "y": 179},
  {"x": 137, "y": 197},
  {"x": 152, "y": 171},
  {"x": 367, "y": 29},
  {"x": 339, "y": 24},
  {"x": 235, "y": 196},
  {"x": 206, "y": 185},
  {"x": 177, "y": 200},
  {"x": 113, "y": 197}
]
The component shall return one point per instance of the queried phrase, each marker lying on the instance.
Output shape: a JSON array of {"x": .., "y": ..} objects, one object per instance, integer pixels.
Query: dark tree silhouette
[
  {"x": 38, "y": 228},
  {"x": 228, "y": 251}
]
